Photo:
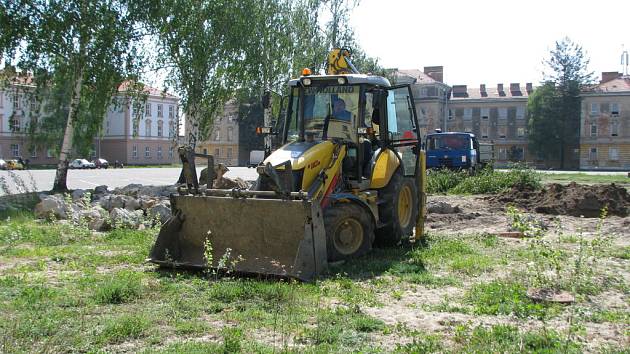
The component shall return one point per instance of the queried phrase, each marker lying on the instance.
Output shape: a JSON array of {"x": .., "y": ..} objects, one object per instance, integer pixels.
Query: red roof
[
  {"x": 152, "y": 91},
  {"x": 620, "y": 84}
]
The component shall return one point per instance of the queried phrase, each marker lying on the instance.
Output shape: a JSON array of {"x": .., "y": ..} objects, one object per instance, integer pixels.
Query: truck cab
[{"x": 453, "y": 150}]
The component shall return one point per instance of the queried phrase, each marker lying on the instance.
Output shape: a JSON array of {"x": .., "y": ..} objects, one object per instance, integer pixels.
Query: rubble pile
[{"x": 132, "y": 206}]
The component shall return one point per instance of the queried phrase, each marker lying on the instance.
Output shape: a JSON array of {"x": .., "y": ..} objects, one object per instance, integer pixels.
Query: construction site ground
[{"x": 464, "y": 287}]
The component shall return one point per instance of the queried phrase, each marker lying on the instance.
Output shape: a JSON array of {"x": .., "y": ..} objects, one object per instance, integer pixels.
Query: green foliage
[
  {"x": 487, "y": 181},
  {"x": 508, "y": 339},
  {"x": 554, "y": 108},
  {"x": 78, "y": 53},
  {"x": 120, "y": 329},
  {"x": 443, "y": 180},
  {"x": 119, "y": 288},
  {"x": 421, "y": 345},
  {"x": 504, "y": 298}
]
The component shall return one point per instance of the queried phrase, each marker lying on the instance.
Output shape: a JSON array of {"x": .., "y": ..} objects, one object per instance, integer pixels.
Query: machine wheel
[
  {"x": 349, "y": 231},
  {"x": 398, "y": 210}
]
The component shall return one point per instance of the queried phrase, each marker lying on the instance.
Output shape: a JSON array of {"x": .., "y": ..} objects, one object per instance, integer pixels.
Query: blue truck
[{"x": 458, "y": 151}]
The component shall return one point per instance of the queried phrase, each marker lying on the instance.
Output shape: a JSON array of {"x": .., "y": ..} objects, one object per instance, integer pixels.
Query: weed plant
[{"x": 486, "y": 181}]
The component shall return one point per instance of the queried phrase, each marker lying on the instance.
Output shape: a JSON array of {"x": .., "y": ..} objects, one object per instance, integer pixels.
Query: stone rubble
[{"x": 133, "y": 206}]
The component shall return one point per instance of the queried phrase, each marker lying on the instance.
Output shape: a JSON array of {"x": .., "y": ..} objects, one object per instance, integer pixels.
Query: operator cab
[{"x": 347, "y": 109}]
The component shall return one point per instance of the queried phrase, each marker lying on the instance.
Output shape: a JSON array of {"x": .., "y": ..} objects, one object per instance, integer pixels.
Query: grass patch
[
  {"x": 584, "y": 178},
  {"x": 123, "y": 328},
  {"x": 506, "y": 298},
  {"x": 508, "y": 339},
  {"x": 120, "y": 288}
]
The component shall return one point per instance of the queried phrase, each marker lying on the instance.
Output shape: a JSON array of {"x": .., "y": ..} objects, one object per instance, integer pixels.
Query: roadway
[{"x": 42, "y": 180}]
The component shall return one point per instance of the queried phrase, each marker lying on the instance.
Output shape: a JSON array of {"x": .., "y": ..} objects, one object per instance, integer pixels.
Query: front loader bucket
[{"x": 251, "y": 235}]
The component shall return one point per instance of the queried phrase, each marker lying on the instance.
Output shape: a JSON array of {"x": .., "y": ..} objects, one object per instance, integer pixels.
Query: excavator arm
[{"x": 339, "y": 62}]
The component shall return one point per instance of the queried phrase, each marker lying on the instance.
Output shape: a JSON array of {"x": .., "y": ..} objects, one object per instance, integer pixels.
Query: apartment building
[
  {"x": 133, "y": 132},
  {"x": 140, "y": 132},
  {"x": 223, "y": 141},
  {"x": 605, "y": 124},
  {"x": 17, "y": 109},
  {"x": 430, "y": 94},
  {"x": 495, "y": 114}
]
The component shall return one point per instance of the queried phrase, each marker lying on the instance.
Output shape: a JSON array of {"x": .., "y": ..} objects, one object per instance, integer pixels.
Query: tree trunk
[{"x": 61, "y": 176}]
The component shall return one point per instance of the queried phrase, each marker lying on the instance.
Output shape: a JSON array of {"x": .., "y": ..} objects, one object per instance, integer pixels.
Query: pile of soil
[{"x": 572, "y": 199}]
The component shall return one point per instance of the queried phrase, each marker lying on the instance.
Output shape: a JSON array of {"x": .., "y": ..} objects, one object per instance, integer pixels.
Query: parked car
[
  {"x": 81, "y": 164},
  {"x": 3, "y": 164},
  {"x": 100, "y": 163},
  {"x": 15, "y": 165}
]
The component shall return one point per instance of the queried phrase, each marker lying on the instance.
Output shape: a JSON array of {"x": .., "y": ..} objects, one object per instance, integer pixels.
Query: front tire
[
  {"x": 398, "y": 210},
  {"x": 349, "y": 231}
]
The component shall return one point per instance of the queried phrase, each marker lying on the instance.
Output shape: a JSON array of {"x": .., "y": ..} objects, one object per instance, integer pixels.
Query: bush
[{"x": 487, "y": 181}]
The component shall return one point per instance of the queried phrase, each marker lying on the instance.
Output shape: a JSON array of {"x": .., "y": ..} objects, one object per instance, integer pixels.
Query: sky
[{"x": 490, "y": 41}]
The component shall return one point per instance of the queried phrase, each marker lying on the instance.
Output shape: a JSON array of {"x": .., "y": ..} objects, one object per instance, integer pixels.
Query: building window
[
  {"x": 147, "y": 109},
  {"x": 159, "y": 108},
  {"x": 450, "y": 114},
  {"x": 171, "y": 129},
  {"x": 503, "y": 113},
  {"x": 502, "y": 154},
  {"x": 230, "y": 133},
  {"x": 171, "y": 112},
  {"x": 14, "y": 124},
  {"x": 614, "y": 109},
  {"x": 484, "y": 132},
  {"x": 485, "y": 113},
  {"x": 613, "y": 154},
  {"x": 592, "y": 155},
  {"x": 468, "y": 113},
  {"x": 107, "y": 127},
  {"x": 136, "y": 123},
  {"x": 159, "y": 152},
  {"x": 17, "y": 104},
  {"x": 593, "y": 130},
  {"x": 614, "y": 128},
  {"x": 217, "y": 134},
  {"x": 134, "y": 152},
  {"x": 1, "y": 99},
  {"x": 502, "y": 131},
  {"x": 147, "y": 152},
  {"x": 520, "y": 132},
  {"x": 1, "y": 120},
  {"x": 160, "y": 128},
  {"x": 217, "y": 152},
  {"x": 205, "y": 151},
  {"x": 229, "y": 153},
  {"x": 15, "y": 150},
  {"x": 594, "y": 109},
  {"x": 170, "y": 152},
  {"x": 520, "y": 112},
  {"x": 49, "y": 153},
  {"x": 34, "y": 153},
  {"x": 147, "y": 127}
]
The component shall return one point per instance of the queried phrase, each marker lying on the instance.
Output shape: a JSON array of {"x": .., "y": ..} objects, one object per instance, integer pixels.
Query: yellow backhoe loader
[{"x": 350, "y": 174}]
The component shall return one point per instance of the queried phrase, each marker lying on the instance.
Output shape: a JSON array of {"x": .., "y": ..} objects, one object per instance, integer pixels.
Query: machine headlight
[
  {"x": 463, "y": 158},
  {"x": 306, "y": 82},
  {"x": 341, "y": 80}
]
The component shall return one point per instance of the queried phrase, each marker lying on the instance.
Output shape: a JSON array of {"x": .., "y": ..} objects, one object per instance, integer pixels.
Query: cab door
[{"x": 401, "y": 127}]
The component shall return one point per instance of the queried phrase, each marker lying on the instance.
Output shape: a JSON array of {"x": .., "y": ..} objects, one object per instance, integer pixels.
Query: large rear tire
[
  {"x": 398, "y": 210},
  {"x": 349, "y": 231}
]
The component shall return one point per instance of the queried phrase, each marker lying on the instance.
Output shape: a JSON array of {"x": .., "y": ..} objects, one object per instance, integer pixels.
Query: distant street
[{"x": 86, "y": 179}]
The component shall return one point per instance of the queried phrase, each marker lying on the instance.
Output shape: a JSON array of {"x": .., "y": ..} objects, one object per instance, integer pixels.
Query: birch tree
[{"x": 80, "y": 51}]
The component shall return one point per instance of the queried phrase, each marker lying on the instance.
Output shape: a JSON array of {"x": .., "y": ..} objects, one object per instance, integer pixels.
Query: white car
[
  {"x": 81, "y": 163},
  {"x": 3, "y": 164}
]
